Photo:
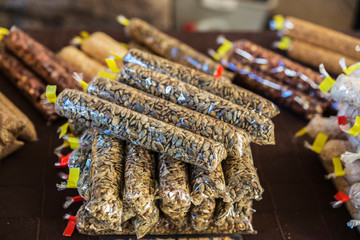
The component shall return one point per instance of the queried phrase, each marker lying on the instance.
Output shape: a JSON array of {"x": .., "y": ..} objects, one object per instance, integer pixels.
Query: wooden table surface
[{"x": 295, "y": 203}]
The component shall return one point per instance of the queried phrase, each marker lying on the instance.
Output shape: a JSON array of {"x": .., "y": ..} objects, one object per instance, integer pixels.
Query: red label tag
[
  {"x": 63, "y": 161},
  {"x": 78, "y": 199},
  {"x": 341, "y": 196},
  {"x": 342, "y": 120},
  {"x": 70, "y": 226},
  {"x": 219, "y": 71}
]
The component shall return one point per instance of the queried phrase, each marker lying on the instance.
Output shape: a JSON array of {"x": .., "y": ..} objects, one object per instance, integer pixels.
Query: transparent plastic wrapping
[
  {"x": 242, "y": 180},
  {"x": 100, "y": 46},
  {"x": 76, "y": 127},
  {"x": 40, "y": 59},
  {"x": 171, "y": 48},
  {"x": 275, "y": 89},
  {"x": 107, "y": 171},
  {"x": 6, "y": 150},
  {"x": 139, "y": 191},
  {"x": 10, "y": 127},
  {"x": 140, "y": 129},
  {"x": 234, "y": 217},
  {"x": 279, "y": 67},
  {"x": 80, "y": 61},
  {"x": 128, "y": 212},
  {"x": 333, "y": 148},
  {"x": 29, "y": 131},
  {"x": 147, "y": 221},
  {"x": 314, "y": 56},
  {"x": 346, "y": 90},
  {"x": 207, "y": 184},
  {"x": 201, "y": 214},
  {"x": 354, "y": 142},
  {"x": 327, "y": 125},
  {"x": 260, "y": 128},
  {"x": 174, "y": 189},
  {"x": 83, "y": 183},
  {"x": 349, "y": 111},
  {"x": 230, "y": 92},
  {"x": 355, "y": 73},
  {"x": 352, "y": 172},
  {"x": 79, "y": 157},
  {"x": 234, "y": 139},
  {"x": 354, "y": 194},
  {"x": 30, "y": 85},
  {"x": 320, "y": 36}
]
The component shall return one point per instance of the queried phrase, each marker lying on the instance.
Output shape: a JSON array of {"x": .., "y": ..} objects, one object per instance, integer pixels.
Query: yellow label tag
[
  {"x": 116, "y": 56},
  {"x": 74, "y": 143},
  {"x": 123, "y": 20},
  {"x": 51, "y": 93},
  {"x": 112, "y": 65},
  {"x": 301, "y": 132},
  {"x": 355, "y": 130},
  {"x": 350, "y": 69},
  {"x": 224, "y": 48},
  {"x": 338, "y": 169},
  {"x": 63, "y": 129},
  {"x": 279, "y": 22},
  {"x": 319, "y": 142},
  {"x": 107, "y": 75},
  {"x": 84, "y": 84},
  {"x": 124, "y": 45},
  {"x": 3, "y": 32},
  {"x": 216, "y": 56},
  {"x": 326, "y": 84},
  {"x": 284, "y": 43},
  {"x": 74, "y": 174},
  {"x": 84, "y": 34}
]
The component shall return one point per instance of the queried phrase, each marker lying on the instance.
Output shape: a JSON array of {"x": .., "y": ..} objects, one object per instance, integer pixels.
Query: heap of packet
[
  {"x": 165, "y": 149},
  {"x": 275, "y": 77},
  {"x": 337, "y": 141}
]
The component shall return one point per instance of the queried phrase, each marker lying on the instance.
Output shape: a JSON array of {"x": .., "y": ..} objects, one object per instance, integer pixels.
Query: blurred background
[{"x": 190, "y": 15}]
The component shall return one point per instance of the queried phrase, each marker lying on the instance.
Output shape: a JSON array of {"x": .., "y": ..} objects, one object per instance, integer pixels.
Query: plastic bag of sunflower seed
[
  {"x": 242, "y": 181},
  {"x": 201, "y": 214},
  {"x": 107, "y": 169},
  {"x": 234, "y": 139},
  {"x": 207, "y": 184},
  {"x": 139, "y": 191},
  {"x": 260, "y": 128},
  {"x": 140, "y": 129},
  {"x": 174, "y": 189},
  {"x": 234, "y": 217}
]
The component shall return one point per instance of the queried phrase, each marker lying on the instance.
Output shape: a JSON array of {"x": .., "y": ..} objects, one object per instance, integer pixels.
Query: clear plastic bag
[
  {"x": 260, "y": 128},
  {"x": 352, "y": 172},
  {"x": 207, "y": 184},
  {"x": 234, "y": 217},
  {"x": 139, "y": 191},
  {"x": 276, "y": 90},
  {"x": 83, "y": 183},
  {"x": 242, "y": 180},
  {"x": 171, "y": 48},
  {"x": 30, "y": 85},
  {"x": 203, "y": 81},
  {"x": 201, "y": 214},
  {"x": 174, "y": 189},
  {"x": 334, "y": 148},
  {"x": 139, "y": 129},
  {"x": 327, "y": 125},
  {"x": 147, "y": 221},
  {"x": 354, "y": 194},
  {"x": 282, "y": 68},
  {"x": 76, "y": 128},
  {"x": 346, "y": 90},
  {"x": 107, "y": 170},
  {"x": 233, "y": 138},
  {"x": 40, "y": 59}
]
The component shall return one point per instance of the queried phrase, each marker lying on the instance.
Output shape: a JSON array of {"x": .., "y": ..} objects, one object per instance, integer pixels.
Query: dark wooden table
[{"x": 295, "y": 204}]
